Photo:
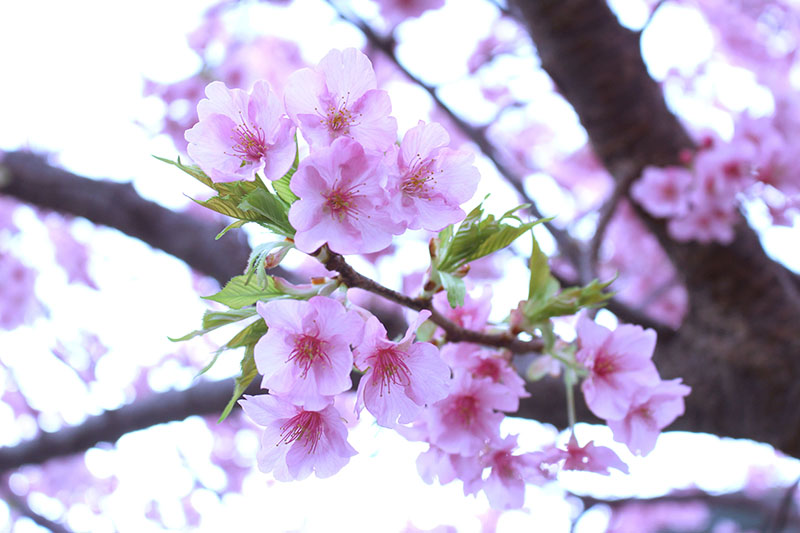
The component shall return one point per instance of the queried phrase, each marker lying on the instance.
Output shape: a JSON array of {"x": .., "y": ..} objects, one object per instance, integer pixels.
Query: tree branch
[
  {"x": 206, "y": 398},
  {"x": 29, "y": 178}
]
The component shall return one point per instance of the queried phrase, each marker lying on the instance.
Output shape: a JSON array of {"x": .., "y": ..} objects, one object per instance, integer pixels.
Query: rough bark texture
[
  {"x": 738, "y": 347},
  {"x": 30, "y": 178}
]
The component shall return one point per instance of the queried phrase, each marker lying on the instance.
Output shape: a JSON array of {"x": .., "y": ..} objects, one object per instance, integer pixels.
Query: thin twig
[
  {"x": 454, "y": 332},
  {"x": 589, "y": 265}
]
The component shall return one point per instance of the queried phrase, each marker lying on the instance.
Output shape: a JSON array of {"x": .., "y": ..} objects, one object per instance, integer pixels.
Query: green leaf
[
  {"x": 228, "y": 207},
  {"x": 567, "y": 302},
  {"x": 477, "y": 237},
  {"x": 540, "y": 272},
  {"x": 269, "y": 210},
  {"x": 241, "y": 291},
  {"x": 216, "y": 319},
  {"x": 246, "y": 376},
  {"x": 193, "y": 170},
  {"x": 456, "y": 290},
  {"x": 249, "y": 335},
  {"x": 233, "y": 225}
]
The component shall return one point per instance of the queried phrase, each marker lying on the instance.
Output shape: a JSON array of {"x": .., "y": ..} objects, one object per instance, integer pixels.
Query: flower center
[
  {"x": 388, "y": 368},
  {"x": 464, "y": 409},
  {"x": 251, "y": 142},
  {"x": 305, "y": 426},
  {"x": 420, "y": 173},
  {"x": 307, "y": 350},
  {"x": 604, "y": 364}
]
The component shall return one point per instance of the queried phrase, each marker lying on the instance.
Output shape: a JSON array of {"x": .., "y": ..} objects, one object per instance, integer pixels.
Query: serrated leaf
[
  {"x": 241, "y": 291},
  {"x": 193, "y": 170},
  {"x": 233, "y": 225},
  {"x": 246, "y": 376},
  {"x": 478, "y": 237},
  {"x": 456, "y": 290},
  {"x": 567, "y": 302},
  {"x": 270, "y": 211},
  {"x": 228, "y": 207},
  {"x": 216, "y": 319}
]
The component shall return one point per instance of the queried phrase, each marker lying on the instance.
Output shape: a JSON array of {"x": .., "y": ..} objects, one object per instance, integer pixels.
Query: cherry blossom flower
[
  {"x": 305, "y": 356},
  {"x": 297, "y": 442},
  {"x": 240, "y": 134},
  {"x": 663, "y": 192},
  {"x": 652, "y": 409},
  {"x": 341, "y": 195},
  {"x": 505, "y": 485},
  {"x": 339, "y": 98},
  {"x": 468, "y": 418},
  {"x": 435, "y": 463},
  {"x": 17, "y": 282},
  {"x": 401, "y": 377},
  {"x": 619, "y": 363},
  {"x": 472, "y": 315},
  {"x": 590, "y": 458},
  {"x": 431, "y": 181}
]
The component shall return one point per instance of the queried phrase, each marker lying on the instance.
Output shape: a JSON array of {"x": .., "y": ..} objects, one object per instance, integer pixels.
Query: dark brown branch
[
  {"x": 207, "y": 398},
  {"x": 454, "y": 332},
  {"x": 29, "y": 178}
]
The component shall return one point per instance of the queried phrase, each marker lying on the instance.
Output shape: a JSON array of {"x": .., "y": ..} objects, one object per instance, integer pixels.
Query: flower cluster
[
  {"x": 623, "y": 386},
  {"x": 357, "y": 188},
  {"x": 701, "y": 201}
]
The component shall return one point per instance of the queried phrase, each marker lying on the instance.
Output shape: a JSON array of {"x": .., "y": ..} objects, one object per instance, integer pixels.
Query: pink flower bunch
[
  {"x": 463, "y": 427},
  {"x": 623, "y": 386},
  {"x": 357, "y": 188},
  {"x": 306, "y": 358},
  {"x": 701, "y": 201}
]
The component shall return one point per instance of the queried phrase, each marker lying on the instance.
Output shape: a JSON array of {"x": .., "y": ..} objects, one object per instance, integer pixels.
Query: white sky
[{"x": 72, "y": 85}]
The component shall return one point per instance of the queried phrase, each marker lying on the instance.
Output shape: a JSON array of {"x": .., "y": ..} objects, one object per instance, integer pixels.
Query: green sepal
[
  {"x": 241, "y": 291},
  {"x": 426, "y": 330},
  {"x": 246, "y": 376},
  {"x": 456, "y": 290},
  {"x": 282, "y": 185}
]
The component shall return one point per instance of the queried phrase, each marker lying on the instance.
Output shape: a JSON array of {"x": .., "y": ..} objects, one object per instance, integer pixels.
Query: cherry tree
[{"x": 317, "y": 179}]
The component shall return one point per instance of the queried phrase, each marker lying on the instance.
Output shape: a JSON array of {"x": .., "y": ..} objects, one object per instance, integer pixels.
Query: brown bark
[{"x": 739, "y": 344}]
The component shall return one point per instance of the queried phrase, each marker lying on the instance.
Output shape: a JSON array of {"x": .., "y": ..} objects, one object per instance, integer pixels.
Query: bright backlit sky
[{"x": 72, "y": 84}]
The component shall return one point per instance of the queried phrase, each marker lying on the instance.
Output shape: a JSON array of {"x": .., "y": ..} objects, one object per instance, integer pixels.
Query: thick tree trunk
[{"x": 739, "y": 346}]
